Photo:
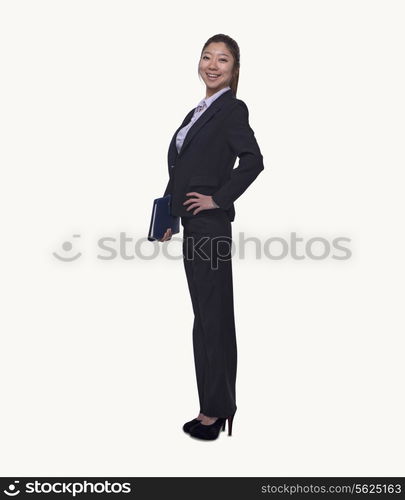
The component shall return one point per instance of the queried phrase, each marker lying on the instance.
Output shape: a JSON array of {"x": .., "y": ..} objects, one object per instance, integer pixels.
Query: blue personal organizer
[{"x": 162, "y": 219}]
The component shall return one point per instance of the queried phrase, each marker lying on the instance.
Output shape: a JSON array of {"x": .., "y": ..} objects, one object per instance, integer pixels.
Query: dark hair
[{"x": 233, "y": 48}]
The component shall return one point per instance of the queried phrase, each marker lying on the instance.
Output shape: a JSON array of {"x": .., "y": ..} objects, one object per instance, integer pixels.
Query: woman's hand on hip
[{"x": 200, "y": 202}]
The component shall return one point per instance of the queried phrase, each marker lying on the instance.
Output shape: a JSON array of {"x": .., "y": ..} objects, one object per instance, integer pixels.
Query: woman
[{"x": 203, "y": 185}]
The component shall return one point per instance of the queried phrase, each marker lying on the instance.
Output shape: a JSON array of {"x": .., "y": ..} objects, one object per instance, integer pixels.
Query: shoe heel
[
  {"x": 223, "y": 425},
  {"x": 230, "y": 422}
]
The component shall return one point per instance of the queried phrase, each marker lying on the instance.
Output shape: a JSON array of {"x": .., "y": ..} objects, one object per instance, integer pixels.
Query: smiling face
[{"x": 215, "y": 67}]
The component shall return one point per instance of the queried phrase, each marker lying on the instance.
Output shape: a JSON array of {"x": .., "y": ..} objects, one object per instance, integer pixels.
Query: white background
[{"x": 97, "y": 373}]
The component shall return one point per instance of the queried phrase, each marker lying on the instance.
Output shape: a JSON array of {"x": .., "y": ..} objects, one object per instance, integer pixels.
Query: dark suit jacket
[{"x": 207, "y": 157}]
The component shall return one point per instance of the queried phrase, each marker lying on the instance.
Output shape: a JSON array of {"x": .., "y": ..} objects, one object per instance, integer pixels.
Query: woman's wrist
[{"x": 214, "y": 203}]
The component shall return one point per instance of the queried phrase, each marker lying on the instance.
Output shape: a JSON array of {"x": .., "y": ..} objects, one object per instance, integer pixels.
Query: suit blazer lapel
[
  {"x": 204, "y": 118},
  {"x": 172, "y": 154}
]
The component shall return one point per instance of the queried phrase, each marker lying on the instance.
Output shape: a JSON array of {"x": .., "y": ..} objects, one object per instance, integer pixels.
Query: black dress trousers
[{"x": 207, "y": 257}]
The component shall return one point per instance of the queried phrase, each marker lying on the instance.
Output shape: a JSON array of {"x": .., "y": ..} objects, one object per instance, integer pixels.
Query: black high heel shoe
[{"x": 210, "y": 432}]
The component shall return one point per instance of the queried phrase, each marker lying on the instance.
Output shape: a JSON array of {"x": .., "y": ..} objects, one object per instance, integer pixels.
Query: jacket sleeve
[
  {"x": 168, "y": 187},
  {"x": 241, "y": 139}
]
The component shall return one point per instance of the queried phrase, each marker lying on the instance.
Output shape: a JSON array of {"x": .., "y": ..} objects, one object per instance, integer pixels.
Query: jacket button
[{"x": 171, "y": 166}]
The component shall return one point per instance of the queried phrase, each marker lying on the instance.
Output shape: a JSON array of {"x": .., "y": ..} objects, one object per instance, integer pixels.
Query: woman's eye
[{"x": 222, "y": 60}]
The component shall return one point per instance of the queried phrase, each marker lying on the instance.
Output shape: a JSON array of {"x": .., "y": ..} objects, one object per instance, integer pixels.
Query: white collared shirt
[{"x": 205, "y": 103}]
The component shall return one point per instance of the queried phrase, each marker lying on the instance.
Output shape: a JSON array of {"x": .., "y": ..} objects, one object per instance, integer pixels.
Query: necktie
[{"x": 201, "y": 107}]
